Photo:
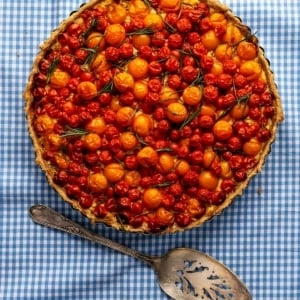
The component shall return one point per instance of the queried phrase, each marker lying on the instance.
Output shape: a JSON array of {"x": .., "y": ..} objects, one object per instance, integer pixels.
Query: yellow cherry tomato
[
  {"x": 222, "y": 130},
  {"x": 176, "y": 112},
  {"x": 128, "y": 140},
  {"x": 87, "y": 90},
  {"x": 208, "y": 180},
  {"x": 114, "y": 172},
  {"x": 59, "y": 79},
  {"x": 92, "y": 141},
  {"x": 192, "y": 95},
  {"x": 116, "y": 13},
  {"x": 147, "y": 157},
  {"x": 142, "y": 125},
  {"x": 97, "y": 182},
  {"x": 153, "y": 20},
  {"x": 123, "y": 82},
  {"x": 138, "y": 9},
  {"x": 152, "y": 198},
  {"x": 138, "y": 68},
  {"x": 114, "y": 34},
  {"x": 96, "y": 125},
  {"x": 210, "y": 40},
  {"x": 140, "y": 90}
]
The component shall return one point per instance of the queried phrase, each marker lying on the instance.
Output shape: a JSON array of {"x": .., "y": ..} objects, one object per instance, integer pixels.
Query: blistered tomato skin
[{"x": 152, "y": 113}]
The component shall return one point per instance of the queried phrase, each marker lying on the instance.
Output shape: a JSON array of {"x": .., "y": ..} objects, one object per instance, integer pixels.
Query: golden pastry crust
[{"x": 112, "y": 218}]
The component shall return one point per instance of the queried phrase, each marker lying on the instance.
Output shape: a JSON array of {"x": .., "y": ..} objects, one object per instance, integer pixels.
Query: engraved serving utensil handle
[{"x": 46, "y": 216}]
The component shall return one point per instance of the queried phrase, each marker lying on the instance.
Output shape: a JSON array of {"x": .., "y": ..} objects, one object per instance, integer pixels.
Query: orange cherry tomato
[
  {"x": 116, "y": 13},
  {"x": 128, "y": 140},
  {"x": 87, "y": 90},
  {"x": 114, "y": 34},
  {"x": 138, "y": 9},
  {"x": 92, "y": 141},
  {"x": 147, "y": 157},
  {"x": 114, "y": 172},
  {"x": 138, "y": 68},
  {"x": 140, "y": 90},
  {"x": 97, "y": 182},
  {"x": 96, "y": 125},
  {"x": 192, "y": 95},
  {"x": 59, "y": 79},
  {"x": 154, "y": 21},
  {"x": 123, "y": 81},
  {"x": 142, "y": 125},
  {"x": 246, "y": 50},
  {"x": 222, "y": 130},
  {"x": 152, "y": 198},
  {"x": 176, "y": 112},
  {"x": 208, "y": 180}
]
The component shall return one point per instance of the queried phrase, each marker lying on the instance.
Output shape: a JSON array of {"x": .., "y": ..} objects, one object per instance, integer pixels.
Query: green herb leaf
[
  {"x": 165, "y": 149},
  {"x": 169, "y": 27},
  {"x": 90, "y": 28},
  {"x": 146, "y": 30},
  {"x": 90, "y": 57},
  {"x": 52, "y": 68},
  {"x": 73, "y": 132},
  {"x": 147, "y": 2},
  {"x": 191, "y": 117},
  {"x": 163, "y": 184},
  {"x": 198, "y": 80},
  {"x": 141, "y": 141},
  {"x": 121, "y": 63},
  {"x": 240, "y": 100},
  {"x": 108, "y": 88}
]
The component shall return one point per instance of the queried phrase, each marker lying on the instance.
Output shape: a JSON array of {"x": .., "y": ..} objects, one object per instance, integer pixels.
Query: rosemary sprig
[
  {"x": 121, "y": 63},
  {"x": 148, "y": 4},
  {"x": 182, "y": 53},
  {"x": 108, "y": 88},
  {"x": 240, "y": 100},
  {"x": 52, "y": 68},
  {"x": 247, "y": 38},
  {"x": 191, "y": 117},
  {"x": 169, "y": 27},
  {"x": 146, "y": 30},
  {"x": 90, "y": 28},
  {"x": 73, "y": 132},
  {"x": 190, "y": 53},
  {"x": 167, "y": 149},
  {"x": 163, "y": 184},
  {"x": 164, "y": 77},
  {"x": 198, "y": 80},
  {"x": 141, "y": 141},
  {"x": 90, "y": 57}
]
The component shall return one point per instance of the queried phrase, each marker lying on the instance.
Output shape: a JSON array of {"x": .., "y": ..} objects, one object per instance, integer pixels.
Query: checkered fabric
[{"x": 258, "y": 237}]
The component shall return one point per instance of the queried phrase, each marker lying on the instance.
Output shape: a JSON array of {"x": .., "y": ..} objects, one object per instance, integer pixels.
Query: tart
[{"x": 151, "y": 116}]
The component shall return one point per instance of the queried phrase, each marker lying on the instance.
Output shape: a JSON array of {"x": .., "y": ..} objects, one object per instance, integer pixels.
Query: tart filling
[{"x": 151, "y": 116}]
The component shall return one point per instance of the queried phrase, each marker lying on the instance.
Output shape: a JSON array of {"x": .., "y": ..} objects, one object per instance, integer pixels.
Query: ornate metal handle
[{"x": 46, "y": 216}]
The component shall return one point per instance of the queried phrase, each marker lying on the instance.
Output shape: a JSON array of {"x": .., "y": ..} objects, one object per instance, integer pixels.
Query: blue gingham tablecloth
[{"x": 258, "y": 237}]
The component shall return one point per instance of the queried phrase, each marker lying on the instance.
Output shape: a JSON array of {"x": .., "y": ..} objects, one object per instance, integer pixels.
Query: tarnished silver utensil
[{"x": 182, "y": 273}]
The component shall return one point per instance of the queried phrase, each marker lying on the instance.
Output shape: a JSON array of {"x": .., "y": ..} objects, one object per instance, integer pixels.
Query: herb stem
[
  {"x": 146, "y": 30},
  {"x": 52, "y": 68},
  {"x": 73, "y": 132},
  {"x": 191, "y": 117},
  {"x": 163, "y": 184},
  {"x": 90, "y": 28}
]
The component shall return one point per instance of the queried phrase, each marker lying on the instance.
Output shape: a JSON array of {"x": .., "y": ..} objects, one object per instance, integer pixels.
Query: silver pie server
[{"x": 182, "y": 273}]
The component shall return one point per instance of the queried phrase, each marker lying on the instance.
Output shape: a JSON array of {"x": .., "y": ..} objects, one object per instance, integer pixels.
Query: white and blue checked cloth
[{"x": 258, "y": 237}]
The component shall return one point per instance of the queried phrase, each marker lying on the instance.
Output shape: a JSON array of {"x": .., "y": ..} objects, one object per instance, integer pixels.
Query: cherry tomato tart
[{"x": 151, "y": 116}]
